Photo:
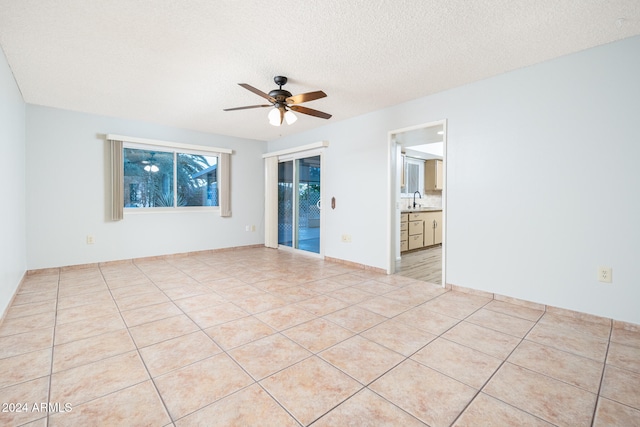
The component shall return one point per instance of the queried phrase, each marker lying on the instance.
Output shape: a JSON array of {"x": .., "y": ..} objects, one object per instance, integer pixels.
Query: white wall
[
  {"x": 13, "y": 252},
  {"x": 543, "y": 181},
  {"x": 68, "y": 186}
]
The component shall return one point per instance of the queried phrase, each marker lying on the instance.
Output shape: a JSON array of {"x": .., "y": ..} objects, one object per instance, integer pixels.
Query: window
[
  {"x": 164, "y": 178},
  {"x": 414, "y": 176}
]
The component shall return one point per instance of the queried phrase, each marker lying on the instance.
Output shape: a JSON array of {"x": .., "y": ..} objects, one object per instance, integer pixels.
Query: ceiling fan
[{"x": 284, "y": 103}]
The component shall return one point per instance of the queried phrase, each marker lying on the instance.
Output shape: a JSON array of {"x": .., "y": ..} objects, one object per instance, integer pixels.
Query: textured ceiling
[{"x": 178, "y": 62}]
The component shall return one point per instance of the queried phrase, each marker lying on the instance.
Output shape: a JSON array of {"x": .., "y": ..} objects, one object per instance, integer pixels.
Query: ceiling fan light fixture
[
  {"x": 274, "y": 117},
  {"x": 290, "y": 117}
]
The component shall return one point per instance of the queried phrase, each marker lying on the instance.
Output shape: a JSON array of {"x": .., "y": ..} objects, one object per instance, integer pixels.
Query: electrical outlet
[
  {"x": 90, "y": 239},
  {"x": 605, "y": 274},
  {"x": 253, "y": 228},
  {"x": 346, "y": 238}
]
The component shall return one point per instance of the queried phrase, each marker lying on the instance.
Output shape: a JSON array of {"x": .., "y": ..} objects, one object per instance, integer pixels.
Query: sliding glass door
[{"x": 299, "y": 203}]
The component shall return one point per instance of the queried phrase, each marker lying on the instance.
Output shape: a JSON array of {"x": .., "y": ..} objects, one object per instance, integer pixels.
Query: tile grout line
[
  {"x": 136, "y": 345},
  {"x": 53, "y": 344},
  {"x": 604, "y": 368}
]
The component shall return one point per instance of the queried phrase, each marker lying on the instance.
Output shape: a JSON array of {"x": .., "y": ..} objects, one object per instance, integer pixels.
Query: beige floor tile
[
  {"x": 270, "y": 285},
  {"x": 293, "y": 293},
  {"x": 488, "y": 341},
  {"x": 570, "y": 368},
  {"x": 13, "y": 345},
  {"x": 399, "y": 336},
  {"x": 199, "y": 302},
  {"x": 259, "y": 303},
  {"x": 77, "y": 300},
  {"x": 375, "y": 287},
  {"x": 428, "y": 395},
  {"x": 240, "y": 292},
  {"x": 133, "y": 290},
  {"x": 30, "y": 309},
  {"x": 81, "y": 289},
  {"x": 197, "y": 385},
  {"x": 317, "y": 334},
  {"x": 384, "y": 306},
  {"x": 563, "y": 339},
  {"x": 456, "y": 304},
  {"x": 182, "y": 288},
  {"x": 24, "y": 367},
  {"x": 251, "y": 406},
  {"x": 310, "y": 388},
  {"x": 429, "y": 321},
  {"x": 464, "y": 364},
  {"x": 626, "y": 337},
  {"x": 624, "y": 356},
  {"x": 614, "y": 414},
  {"x": 501, "y": 322},
  {"x": 361, "y": 358},
  {"x": 321, "y": 305},
  {"x": 87, "y": 312},
  {"x": 87, "y": 350},
  {"x": 268, "y": 355},
  {"x": 137, "y": 405},
  {"x": 347, "y": 279},
  {"x": 484, "y": 410},
  {"x": 367, "y": 409},
  {"x": 150, "y": 313},
  {"x": 217, "y": 314},
  {"x": 352, "y": 295},
  {"x": 143, "y": 300},
  {"x": 355, "y": 319},
  {"x": 416, "y": 294},
  {"x": 239, "y": 332},
  {"x": 514, "y": 310},
  {"x": 20, "y": 325},
  {"x": 324, "y": 286},
  {"x": 97, "y": 379},
  {"x": 285, "y": 317},
  {"x": 162, "y": 330},
  {"x": 34, "y": 297},
  {"x": 178, "y": 352},
  {"x": 25, "y": 394},
  {"x": 552, "y": 400},
  {"x": 577, "y": 325},
  {"x": 622, "y": 386}
]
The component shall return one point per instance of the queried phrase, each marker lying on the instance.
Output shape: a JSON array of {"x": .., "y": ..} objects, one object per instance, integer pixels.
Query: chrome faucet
[{"x": 414, "y": 198}]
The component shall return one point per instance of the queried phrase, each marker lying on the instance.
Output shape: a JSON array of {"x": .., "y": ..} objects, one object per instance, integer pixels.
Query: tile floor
[{"x": 265, "y": 337}]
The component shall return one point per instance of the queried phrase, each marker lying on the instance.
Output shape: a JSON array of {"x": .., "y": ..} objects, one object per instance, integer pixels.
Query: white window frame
[
  {"x": 174, "y": 148},
  {"x": 420, "y": 164}
]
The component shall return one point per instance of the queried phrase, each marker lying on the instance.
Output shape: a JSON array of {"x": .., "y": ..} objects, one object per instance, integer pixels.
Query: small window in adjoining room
[{"x": 168, "y": 179}]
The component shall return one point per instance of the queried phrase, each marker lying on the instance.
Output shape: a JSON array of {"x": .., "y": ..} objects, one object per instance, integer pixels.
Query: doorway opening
[{"x": 417, "y": 202}]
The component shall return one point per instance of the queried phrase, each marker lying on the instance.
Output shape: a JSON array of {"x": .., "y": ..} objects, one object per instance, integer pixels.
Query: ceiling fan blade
[
  {"x": 247, "y": 107},
  {"x": 305, "y": 97},
  {"x": 309, "y": 111},
  {"x": 257, "y": 92}
]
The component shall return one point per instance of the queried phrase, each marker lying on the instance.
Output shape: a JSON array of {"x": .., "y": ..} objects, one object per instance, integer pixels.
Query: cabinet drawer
[
  {"x": 404, "y": 245},
  {"x": 404, "y": 226},
  {"x": 415, "y": 242},
  {"x": 416, "y": 216},
  {"x": 404, "y": 217},
  {"x": 404, "y": 234},
  {"x": 416, "y": 227}
]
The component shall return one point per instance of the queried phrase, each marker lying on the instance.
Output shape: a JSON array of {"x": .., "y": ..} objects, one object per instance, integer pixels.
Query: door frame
[
  {"x": 295, "y": 155},
  {"x": 393, "y": 195}
]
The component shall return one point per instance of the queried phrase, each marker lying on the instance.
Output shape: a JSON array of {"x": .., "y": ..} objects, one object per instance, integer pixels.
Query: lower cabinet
[{"x": 420, "y": 229}]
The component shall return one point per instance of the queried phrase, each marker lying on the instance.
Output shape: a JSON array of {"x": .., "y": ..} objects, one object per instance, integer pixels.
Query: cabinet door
[
  {"x": 437, "y": 231},
  {"x": 433, "y": 175},
  {"x": 428, "y": 231},
  {"x": 415, "y": 227}
]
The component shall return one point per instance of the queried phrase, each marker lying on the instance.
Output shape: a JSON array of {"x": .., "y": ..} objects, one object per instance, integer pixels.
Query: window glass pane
[
  {"x": 148, "y": 178},
  {"x": 197, "y": 177}
]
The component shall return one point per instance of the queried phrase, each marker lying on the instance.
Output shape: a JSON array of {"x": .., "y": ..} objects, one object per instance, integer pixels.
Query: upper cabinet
[{"x": 433, "y": 175}]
